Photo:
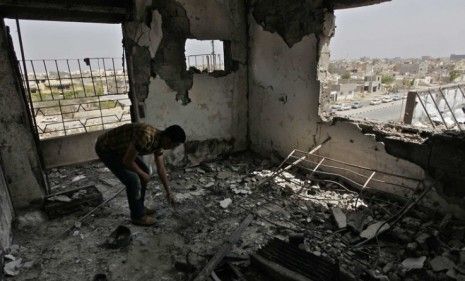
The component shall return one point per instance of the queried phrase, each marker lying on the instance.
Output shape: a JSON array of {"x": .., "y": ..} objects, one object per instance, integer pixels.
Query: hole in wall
[{"x": 205, "y": 56}]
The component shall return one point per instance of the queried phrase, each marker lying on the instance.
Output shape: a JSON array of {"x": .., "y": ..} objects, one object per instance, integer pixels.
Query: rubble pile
[{"x": 324, "y": 218}]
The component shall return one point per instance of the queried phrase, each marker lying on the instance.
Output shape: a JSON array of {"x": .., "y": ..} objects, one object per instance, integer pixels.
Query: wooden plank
[{"x": 223, "y": 251}]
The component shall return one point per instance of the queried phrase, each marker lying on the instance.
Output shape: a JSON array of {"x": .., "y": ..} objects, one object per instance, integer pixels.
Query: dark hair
[{"x": 176, "y": 134}]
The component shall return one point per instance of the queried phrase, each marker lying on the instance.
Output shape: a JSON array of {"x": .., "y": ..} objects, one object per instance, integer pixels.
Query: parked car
[
  {"x": 336, "y": 106},
  {"x": 356, "y": 104},
  {"x": 345, "y": 107},
  {"x": 375, "y": 101},
  {"x": 396, "y": 97},
  {"x": 387, "y": 99}
]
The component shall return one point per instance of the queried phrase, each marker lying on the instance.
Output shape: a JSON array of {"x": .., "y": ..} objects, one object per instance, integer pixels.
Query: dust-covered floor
[{"x": 212, "y": 200}]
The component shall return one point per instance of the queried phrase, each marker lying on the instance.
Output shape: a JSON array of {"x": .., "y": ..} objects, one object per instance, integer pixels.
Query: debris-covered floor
[{"x": 325, "y": 219}]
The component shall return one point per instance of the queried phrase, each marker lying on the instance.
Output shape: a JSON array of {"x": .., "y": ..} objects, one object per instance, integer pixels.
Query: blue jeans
[{"x": 130, "y": 179}]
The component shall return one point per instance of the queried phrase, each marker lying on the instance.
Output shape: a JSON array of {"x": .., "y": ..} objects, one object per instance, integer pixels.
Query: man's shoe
[
  {"x": 144, "y": 221},
  {"x": 148, "y": 211}
]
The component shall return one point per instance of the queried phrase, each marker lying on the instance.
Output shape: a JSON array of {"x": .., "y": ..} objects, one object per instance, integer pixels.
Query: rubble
[
  {"x": 12, "y": 268},
  {"x": 206, "y": 215},
  {"x": 225, "y": 203},
  {"x": 339, "y": 217},
  {"x": 441, "y": 263},
  {"x": 414, "y": 263}
]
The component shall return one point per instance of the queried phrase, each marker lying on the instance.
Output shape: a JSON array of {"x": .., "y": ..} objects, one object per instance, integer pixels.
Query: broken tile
[
  {"x": 441, "y": 263},
  {"x": 374, "y": 229},
  {"x": 413, "y": 263},
  {"x": 78, "y": 178},
  {"x": 339, "y": 217},
  {"x": 12, "y": 268},
  {"x": 225, "y": 203}
]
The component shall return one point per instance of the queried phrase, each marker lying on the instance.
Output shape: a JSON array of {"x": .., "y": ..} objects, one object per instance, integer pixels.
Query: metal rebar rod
[
  {"x": 461, "y": 90},
  {"x": 35, "y": 77},
  {"x": 358, "y": 174},
  {"x": 114, "y": 75},
  {"x": 363, "y": 188},
  {"x": 82, "y": 78},
  {"x": 437, "y": 108},
  {"x": 62, "y": 116},
  {"x": 361, "y": 167},
  {"x": 59, "y": 79},
  {"x": 95, "y": 93},
  {"x": 93, "y": 210},
  {"x": 48, "y": 79},
  {"x": 426, "y": 111},
  {"x": 126, "y": 88},
  {"x": 105, "y": 75},
  {"x": 71, "y": 78},
  {"x": 450, "y": 109}
]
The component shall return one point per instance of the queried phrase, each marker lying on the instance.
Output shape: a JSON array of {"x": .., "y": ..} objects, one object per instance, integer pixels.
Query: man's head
[{"x": 172, "y": 137}]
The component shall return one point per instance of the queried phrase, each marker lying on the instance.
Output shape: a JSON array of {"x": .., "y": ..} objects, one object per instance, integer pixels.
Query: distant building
[
  {"x": 372, "y": 84},
  {"x": 344, "y": 91},
  {"x": 454, "y": 57}
]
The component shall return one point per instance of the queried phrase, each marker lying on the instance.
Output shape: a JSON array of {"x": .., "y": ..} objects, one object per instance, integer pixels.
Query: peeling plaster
[{"x": 292, "y": 19}]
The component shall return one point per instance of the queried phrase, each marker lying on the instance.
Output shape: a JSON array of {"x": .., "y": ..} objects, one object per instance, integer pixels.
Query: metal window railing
[
  {"x": 205, "y": 62},
  {"x": 440, "y": 108},
  {"x": 71, "y": 96}
]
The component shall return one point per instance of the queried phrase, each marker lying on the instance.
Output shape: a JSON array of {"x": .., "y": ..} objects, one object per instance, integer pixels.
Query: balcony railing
[
  {"x": 205, "y": 62},
  {"x": 441, "y": 108},
  {"x": 71, "y": 96}
]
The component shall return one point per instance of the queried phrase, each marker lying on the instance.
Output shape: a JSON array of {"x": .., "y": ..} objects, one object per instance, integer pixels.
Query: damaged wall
[
  {"x": 283, "y": 91},
  {"x": 22, "y": 167},
  {"x": 6, "y": 212},
  {"x": 211, "y": 108}
]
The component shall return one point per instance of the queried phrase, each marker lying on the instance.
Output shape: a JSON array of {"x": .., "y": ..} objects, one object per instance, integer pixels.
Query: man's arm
[
  {"x": 164, "y": 179},
  {"x": 130, "y": 163}
]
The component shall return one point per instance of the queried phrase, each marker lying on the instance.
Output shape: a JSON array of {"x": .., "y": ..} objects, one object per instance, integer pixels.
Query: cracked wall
[
  {"x": 286, "y": 87},
  {"x": 211, "y": 108},
  {"x": 22, "y": 168}
]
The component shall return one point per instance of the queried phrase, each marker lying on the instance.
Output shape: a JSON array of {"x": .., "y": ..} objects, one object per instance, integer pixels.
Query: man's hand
[{"x": 144, "y": 179}]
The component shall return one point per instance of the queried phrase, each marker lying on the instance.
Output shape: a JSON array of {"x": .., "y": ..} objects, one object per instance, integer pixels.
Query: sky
[
  {"x": 57, "y": 40},
  {"x": 401, "y": 28}
]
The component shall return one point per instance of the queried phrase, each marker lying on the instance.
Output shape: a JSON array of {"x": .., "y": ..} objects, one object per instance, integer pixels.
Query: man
[{"x": 120, "y": 149}]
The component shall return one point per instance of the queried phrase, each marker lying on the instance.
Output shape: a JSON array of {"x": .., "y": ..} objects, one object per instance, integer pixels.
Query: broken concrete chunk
[
  {"x": 9, "y": 257},
  {"x": 451, "y": 273},
  {"x": 224, "y": 175},
  {"x": 225, "y": 203},
  {"x": 60, "y": 198},
  {"x": 78, "y": 178},
  {"x": 12, "y": 268},
  {"x": 27, "y": 265},
  {"x": 414, "y": 263},
  {"x": 339, "y": 217},
  {"x": 441, "y": 263},
  {"x": 374, "y": 229}
]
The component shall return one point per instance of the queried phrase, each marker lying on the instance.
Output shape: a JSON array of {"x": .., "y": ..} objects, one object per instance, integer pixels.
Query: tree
[
  {"x": 345, "y": 75},
  {"x": 387, "y": 79},
  {"x": 454, "y": 74}
]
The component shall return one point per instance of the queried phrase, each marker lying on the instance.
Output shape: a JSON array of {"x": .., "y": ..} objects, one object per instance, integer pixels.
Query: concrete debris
[
  {"x": 241, "y": 190},
  {"x": 12, "y": 268},
  {"x": 374, "y": 229},
  {"x": 30, "y": 220},
  {"x": 78, "y": 178},
  {"x": 441, "y": 263},
  {"x": 225, "y": 203},
  {"x": 9, "y": 257},
  {"x": 27, "y": 265},
  {"x": 60, "y": 198},
  {"x": 414, "y": 263},
  {"x": 339, "y": 217}
]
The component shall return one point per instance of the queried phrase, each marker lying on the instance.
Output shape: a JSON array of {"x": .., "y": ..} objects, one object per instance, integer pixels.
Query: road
[{"x": 391, "y": 111}]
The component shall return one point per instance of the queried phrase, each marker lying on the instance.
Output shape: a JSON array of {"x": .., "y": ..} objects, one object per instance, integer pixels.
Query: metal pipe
[
  {"x": 35, "y": 77},
  {"x": 426, "y": 111},
  {"x": 437, "y": 107},
  {"x": 361, "y": 167},
  {"x": 451, "y": 111},
  {"x": 71, "y": 78}
]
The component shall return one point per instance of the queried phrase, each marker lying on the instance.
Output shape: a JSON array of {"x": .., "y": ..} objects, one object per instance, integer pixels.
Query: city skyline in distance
[{"x": 400, "y": 28}]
